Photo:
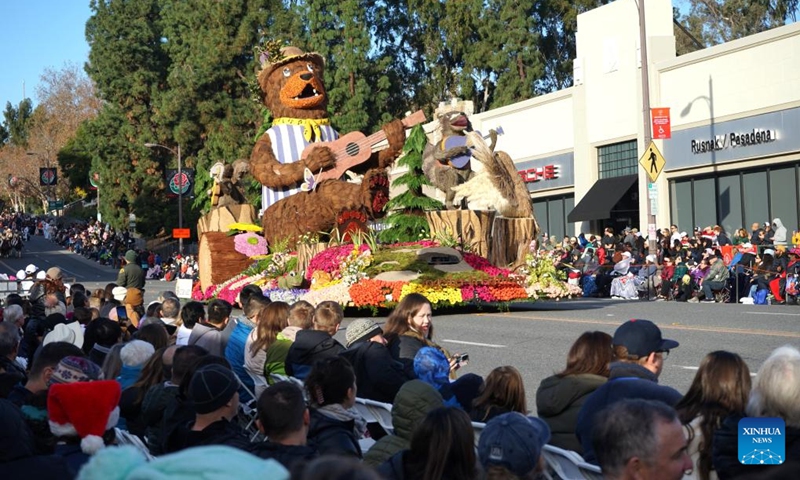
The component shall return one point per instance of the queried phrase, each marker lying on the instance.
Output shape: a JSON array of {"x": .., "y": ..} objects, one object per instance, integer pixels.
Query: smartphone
[
  {"x": 122, "y": 314},
  {"x": 462, "y": 359}
]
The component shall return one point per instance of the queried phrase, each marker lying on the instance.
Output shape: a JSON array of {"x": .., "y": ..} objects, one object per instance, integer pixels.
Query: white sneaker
[{"x": 694, "y": 300}]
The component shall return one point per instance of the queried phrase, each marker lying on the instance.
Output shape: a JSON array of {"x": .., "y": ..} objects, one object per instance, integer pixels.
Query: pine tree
[
  {"x": 17, "y": 121},
  {"x": 407, "y": 221}
]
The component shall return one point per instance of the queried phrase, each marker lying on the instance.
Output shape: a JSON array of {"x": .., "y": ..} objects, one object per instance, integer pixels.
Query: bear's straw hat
[{"x": 288, "y": 54}]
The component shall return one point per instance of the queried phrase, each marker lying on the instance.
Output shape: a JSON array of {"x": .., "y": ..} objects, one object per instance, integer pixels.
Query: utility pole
[{"x": 651, "y": 219}]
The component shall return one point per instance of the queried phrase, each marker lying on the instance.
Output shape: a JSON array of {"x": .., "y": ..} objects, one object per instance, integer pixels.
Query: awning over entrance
[{"x": 601, "y": 198}]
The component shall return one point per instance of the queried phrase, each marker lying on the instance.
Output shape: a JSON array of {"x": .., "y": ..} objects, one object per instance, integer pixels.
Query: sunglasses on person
[{"x": 664, "y": 353}]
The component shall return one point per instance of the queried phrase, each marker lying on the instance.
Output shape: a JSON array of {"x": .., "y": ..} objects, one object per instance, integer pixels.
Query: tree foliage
[
  {"x": 175, "y": 73},
  {"x": 16, "y": 121},
  {"x": 712, "y": 22}
]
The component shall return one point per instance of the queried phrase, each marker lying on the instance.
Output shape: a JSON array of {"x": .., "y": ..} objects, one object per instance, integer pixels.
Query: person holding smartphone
[{"x": 409, "y": 328}]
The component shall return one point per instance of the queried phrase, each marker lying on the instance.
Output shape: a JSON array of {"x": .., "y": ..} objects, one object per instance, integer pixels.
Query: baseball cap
[
  {"x": 513, "y": 441},
  {"x": 54, "y": 273},
  {"x": 641, "y": 338}
]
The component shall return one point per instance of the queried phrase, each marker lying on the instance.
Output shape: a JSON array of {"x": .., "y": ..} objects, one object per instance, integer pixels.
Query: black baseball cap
[{"x": 641, "y": 338}]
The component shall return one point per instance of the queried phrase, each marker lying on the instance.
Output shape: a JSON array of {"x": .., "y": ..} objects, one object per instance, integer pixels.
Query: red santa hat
[{"x": 84, "y": 409}]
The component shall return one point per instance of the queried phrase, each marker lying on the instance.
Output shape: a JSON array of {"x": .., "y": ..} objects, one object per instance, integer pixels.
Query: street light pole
[
  {"x": 180, "y": 185},
  {"x": 180, "y": 200}
]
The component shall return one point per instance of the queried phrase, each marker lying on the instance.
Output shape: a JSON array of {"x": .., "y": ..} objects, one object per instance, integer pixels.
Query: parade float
[{"x": 316, "y": 240}]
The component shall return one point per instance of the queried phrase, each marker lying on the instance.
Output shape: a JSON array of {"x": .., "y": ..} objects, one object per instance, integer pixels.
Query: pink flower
[
  {"x": 479, "y": 263},
  {"x": 250, "y": 244},
  {"x": 330, "y": 259}
]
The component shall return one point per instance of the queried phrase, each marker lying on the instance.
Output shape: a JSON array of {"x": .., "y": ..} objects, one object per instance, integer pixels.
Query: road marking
[
  {"x": 773, "y": 313},
  {"x": 742, "y": 331},
  {"x": 463, "y": 342}
]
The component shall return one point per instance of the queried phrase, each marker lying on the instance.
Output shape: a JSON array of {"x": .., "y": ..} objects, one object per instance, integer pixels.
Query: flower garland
[{"x": 336, "y": 292}]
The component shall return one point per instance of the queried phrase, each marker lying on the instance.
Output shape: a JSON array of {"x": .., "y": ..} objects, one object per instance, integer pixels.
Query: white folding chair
[
  {"x": 478, "y": 428},
  {"x": 250, "y": 412},
  {"x": 382, "y": 412},
  {"x": 568, "y": 465}
]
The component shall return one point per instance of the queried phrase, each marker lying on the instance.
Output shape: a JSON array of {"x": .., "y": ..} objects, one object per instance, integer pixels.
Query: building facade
[{"x": 733, "y": 158}]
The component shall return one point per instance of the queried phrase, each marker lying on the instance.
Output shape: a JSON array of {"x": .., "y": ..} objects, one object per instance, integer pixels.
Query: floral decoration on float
[{"x": 367, "y": 275}]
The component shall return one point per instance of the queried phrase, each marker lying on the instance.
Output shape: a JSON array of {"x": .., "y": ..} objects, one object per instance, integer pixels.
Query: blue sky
[{"x": 34, "y": 35}]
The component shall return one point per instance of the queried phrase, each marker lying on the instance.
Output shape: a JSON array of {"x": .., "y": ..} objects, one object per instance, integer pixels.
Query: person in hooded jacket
[
  {"x": 316, "y": 344},
  {"x": 378, "y": 375},
  {"x": 560, "y": 397},
  {"x": 335, "y": 425},
  {"x": 412, "y": 403},
  {"x": 778, "y": 232}
]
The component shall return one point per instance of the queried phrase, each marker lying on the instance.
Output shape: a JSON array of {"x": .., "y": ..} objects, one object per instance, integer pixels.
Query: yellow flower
[{"x": 245, "y": 227}]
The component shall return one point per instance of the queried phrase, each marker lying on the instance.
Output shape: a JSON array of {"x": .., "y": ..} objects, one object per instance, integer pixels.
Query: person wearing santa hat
[{"x": 82, "y": 416}]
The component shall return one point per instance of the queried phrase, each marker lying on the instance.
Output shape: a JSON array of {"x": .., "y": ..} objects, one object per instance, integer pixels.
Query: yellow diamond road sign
[{"x": 652, "y": 161}]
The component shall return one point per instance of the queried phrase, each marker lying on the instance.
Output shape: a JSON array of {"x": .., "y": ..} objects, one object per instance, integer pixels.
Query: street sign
[
  {"x": 652, "y": 161},
  {"x": 181, "y": 233},
  {"x": 55, "y": 204},
  {"x": 662, "y": 128}
]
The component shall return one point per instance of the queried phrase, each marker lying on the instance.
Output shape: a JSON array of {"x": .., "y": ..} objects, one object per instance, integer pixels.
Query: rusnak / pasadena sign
[{"x": 756, "y": 136}]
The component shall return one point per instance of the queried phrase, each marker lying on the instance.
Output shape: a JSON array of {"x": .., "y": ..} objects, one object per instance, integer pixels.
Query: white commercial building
[{"x": 734, "y": 153}]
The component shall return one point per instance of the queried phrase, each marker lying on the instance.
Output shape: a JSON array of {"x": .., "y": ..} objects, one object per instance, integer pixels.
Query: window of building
[
  {"x": 618, "y": 159},
  {"x": 736, "y": 200},
  {"x": 551, "y": 215}
]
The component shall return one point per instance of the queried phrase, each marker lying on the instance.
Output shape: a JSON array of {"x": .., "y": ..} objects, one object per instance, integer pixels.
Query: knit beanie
[
  {"x": 212, "y": 387},
  {"x": 363, "y": 328},
  {"x": 136, "y": 353},
  {"x": 85, "y": 409},
  {"x": 130, "y": 256},
  {"x": 75, "y": 369}
]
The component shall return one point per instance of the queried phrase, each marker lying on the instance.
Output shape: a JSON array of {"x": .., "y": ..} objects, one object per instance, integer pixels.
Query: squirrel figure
[{"x": 438, "y": 160}]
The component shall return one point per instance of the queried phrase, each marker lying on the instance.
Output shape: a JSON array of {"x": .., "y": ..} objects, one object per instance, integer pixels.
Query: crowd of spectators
[
  {"x": 107, "y": 246},
  {"x": 707, "y": 265},
  {"x": 99, "y": 392}
]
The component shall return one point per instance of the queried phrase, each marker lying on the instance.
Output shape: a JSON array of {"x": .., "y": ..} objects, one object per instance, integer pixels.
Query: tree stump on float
[
  {"x": 218, "y": 260},
  {"x": 511, "y": 239},
  {"x": 218, "y": 219},
  {"x": 471, "y": 227}
]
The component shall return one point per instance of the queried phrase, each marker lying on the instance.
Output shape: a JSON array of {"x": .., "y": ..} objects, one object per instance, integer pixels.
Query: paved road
[
  {"x": 45, "y": 254},
  {"x": 536, "y": 337}
]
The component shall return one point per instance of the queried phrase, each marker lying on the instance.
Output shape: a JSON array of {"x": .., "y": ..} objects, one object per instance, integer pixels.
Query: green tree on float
[{"x": 406, "y": 222}]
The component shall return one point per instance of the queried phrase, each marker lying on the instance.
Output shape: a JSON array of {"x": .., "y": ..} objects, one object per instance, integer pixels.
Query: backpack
[
  {"x": 791, "y": 285},
  {"x": 589, "y": 286},
  {"x": 760, "y": 297}
]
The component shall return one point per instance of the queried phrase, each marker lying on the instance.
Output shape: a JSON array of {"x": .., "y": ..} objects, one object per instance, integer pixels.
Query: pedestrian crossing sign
[{"x": 652, "y": 162}]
